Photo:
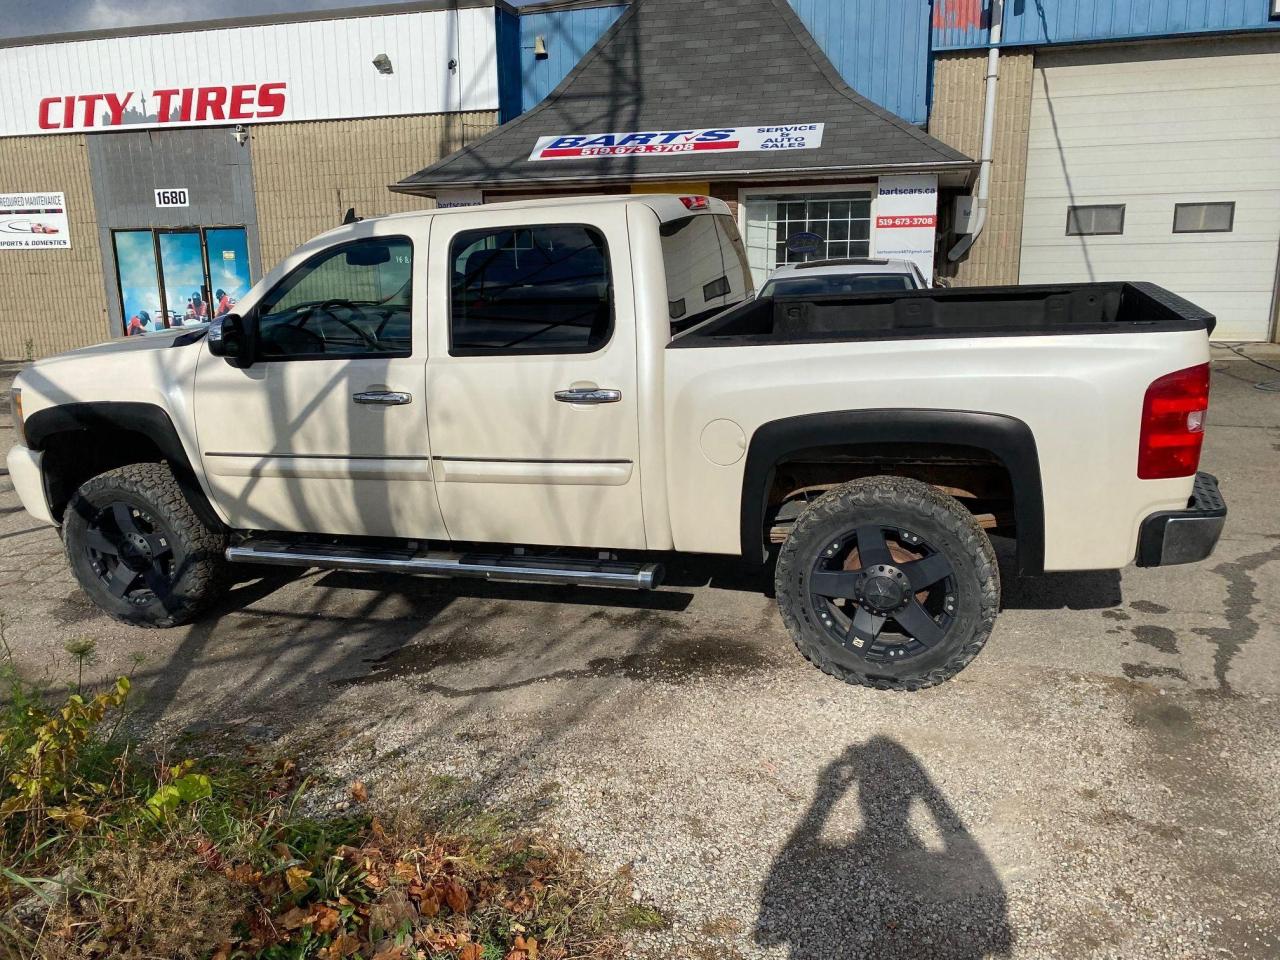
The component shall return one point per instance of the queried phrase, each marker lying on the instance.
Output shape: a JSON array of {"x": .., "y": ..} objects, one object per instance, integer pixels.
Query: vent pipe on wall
[{"x": 983, "y": 193}]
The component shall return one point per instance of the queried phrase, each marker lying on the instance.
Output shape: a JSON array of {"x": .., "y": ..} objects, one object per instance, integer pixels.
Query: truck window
[
  {"x": 706, "y": 267},
  {"x": 353, "y": 300},
  {"x": 538, "y": 289}
]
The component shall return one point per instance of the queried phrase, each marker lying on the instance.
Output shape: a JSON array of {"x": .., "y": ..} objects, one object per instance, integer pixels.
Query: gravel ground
[{"x": 1101, "y": 782}]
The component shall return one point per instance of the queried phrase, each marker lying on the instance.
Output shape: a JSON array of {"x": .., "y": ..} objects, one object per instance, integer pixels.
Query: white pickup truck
[{"x": 496, "y": 392}]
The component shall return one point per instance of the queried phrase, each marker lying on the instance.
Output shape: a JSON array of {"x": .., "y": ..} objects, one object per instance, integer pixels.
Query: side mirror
[{"x": 228, "y": 339}]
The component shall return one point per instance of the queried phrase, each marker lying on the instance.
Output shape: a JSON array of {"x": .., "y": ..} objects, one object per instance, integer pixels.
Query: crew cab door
[
  {"x": 531, "y": 385},
  {"x": 326, "y": 430}
]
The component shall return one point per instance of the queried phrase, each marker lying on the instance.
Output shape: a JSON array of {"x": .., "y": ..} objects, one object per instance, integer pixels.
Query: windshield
[{"x": 835, "y": 283}]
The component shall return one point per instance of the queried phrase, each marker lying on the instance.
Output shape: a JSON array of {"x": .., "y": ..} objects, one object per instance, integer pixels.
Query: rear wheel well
[{"x": 976, "y": 478}]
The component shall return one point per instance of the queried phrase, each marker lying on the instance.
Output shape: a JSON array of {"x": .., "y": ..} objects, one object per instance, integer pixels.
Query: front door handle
[
  {"x": 588, "y": 395},
  {"x": 383, "y": 398}
]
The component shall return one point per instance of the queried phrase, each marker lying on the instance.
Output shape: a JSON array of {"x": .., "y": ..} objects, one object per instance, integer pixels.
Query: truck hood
[
  {"x": 178, "y": 336},
  {"x": 131, "y": 369}
]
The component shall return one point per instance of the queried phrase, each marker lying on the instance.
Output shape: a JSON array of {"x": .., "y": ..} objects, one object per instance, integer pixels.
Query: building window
[
  {"x": 538, "y": 290},
  {"x": 174, "y": 278},
  {"x": 1099, "y": 221},
  {"x": 1204, "y": 217},
  {"x": 785, "y": 228}
]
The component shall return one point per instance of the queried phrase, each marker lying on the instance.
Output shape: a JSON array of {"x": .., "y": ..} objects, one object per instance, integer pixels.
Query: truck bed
[{"x": 1078, "y": 308}]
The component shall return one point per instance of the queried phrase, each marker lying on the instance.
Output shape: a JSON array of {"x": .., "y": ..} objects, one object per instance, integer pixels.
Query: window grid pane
[{"x": 841, "y": 220}]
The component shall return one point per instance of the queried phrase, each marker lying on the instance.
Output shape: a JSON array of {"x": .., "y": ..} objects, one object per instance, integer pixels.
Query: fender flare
[
  {"x": 147, "y": 419},
  {"x": 1006, "y": 438}
]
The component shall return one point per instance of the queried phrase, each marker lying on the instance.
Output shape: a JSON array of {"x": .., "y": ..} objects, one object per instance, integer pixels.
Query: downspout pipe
[{"x": 983, "y": 193}]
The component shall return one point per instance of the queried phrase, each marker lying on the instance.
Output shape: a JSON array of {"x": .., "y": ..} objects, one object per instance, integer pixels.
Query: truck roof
[{"x": 668, "y": 207}]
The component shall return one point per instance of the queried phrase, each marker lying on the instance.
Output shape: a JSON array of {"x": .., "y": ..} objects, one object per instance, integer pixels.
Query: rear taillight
[
  {"x": 1173, "y": 424},
  {"x": 695, "y": 203}
]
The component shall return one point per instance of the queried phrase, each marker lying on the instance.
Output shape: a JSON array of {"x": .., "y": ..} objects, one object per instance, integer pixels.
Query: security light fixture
[
  {"x": 383, "y": 63},
  {"x": 540, "y": 46}
]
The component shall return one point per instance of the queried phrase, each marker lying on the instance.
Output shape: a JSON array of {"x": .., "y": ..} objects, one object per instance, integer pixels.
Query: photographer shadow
[{"x": 903, "y": 887}]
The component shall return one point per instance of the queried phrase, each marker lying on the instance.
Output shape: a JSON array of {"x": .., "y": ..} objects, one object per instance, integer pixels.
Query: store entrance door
[{"x": 179, "y": 277}]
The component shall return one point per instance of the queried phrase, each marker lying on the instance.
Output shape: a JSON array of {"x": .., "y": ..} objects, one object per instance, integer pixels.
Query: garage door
[{"x": 1160, "y": 162}]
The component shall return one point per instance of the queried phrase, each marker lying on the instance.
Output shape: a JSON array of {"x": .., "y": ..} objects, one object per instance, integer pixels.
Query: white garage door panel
[{"x": 1152, "y": 126}]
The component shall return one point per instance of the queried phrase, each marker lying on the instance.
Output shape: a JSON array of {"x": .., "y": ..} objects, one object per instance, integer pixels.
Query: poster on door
[
  {"x": 34, "y": 221},
  {"x": 907, "y": 219}
]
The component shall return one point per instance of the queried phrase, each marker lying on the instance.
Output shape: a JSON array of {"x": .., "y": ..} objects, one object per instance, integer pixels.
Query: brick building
[{"x": 149, "y": 177}]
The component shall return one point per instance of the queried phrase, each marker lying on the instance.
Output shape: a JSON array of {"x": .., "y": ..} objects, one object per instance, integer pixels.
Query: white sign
[
  {"x": 269, "y": 73},
  {"x": 172, "y": 197},
  {"x": 907, "y": 219},
  {"x": 34, "y": 221},
  {"x": 448, "y": 199},
  {"x": 648, "y": 143}
]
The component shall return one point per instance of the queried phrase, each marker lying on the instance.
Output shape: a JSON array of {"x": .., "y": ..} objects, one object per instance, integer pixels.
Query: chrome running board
[{"x": 504, "y": 567}]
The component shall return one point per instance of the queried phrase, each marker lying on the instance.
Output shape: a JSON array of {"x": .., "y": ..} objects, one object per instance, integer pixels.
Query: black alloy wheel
[
  {"x": 131, "y": 553},
  {"x": 888, "y": 583},
  {"x": 140, "y": 549},
  {"x": 884, "y": 593}
]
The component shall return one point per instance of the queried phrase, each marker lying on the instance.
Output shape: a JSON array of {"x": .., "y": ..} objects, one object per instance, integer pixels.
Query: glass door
[
  {"x": 228, "y": 254},
  {"x": 182, "y": 278},
  {"x": 139, "y": 281}
]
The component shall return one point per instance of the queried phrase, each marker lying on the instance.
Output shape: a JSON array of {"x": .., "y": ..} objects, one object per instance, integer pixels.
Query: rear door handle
[
  {"x": 384, "y": 398},
  {"x": 588, "y": 395}
]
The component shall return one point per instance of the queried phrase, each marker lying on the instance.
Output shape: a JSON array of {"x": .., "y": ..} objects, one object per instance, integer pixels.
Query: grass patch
[
  {"x": 112, "y": 851},
  {"x": 641, "y": 918}
]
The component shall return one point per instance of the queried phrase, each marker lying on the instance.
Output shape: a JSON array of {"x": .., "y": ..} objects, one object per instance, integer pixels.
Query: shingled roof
[{"x": 685, "y": 64}]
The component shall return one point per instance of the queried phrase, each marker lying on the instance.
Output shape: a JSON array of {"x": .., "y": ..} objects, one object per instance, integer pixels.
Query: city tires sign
[
  {"x": 34, "y": 221},
  {"x": 268, "y": 73},
  {"x": 650, "y": 143}
]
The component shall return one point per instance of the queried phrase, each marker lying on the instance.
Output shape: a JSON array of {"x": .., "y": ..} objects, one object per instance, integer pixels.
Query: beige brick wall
[
  {"x": 956, "y": 119},
  {"x": 51, "y": 300},
  {"x": 306, "y": 175}
]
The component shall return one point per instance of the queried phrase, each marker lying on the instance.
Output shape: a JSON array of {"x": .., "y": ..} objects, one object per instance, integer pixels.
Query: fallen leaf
[
  {"x": 393, "y": 952},
  {"x": 344, "y": 945},
  {"x": 405, "y": 872},
  {"x": 457, "y": 897},
  {"x": 297, "y": 879},
  {"x": 359, "y": 792},
  {"x": 472, "y": 951},
  {"x": 293, "y": 919},
  {"x": 326, "y": 919}
]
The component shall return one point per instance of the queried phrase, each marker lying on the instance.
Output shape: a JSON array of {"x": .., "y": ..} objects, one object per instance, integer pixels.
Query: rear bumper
[{"x": 1184, "y": 536}]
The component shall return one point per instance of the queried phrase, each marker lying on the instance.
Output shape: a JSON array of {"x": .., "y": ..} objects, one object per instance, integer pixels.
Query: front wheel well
[
  {"x": 82, "y": 441},
  {"x": 75, "y": 456}
]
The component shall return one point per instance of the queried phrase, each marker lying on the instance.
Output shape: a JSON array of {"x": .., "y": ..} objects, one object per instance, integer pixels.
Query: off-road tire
[
  {"x": 942, "y": 521},
  {"x": 199, "y": 569}
]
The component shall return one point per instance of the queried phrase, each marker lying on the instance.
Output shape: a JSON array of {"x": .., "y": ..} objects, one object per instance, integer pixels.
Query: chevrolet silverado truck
[{"x": 496, "y": 392}]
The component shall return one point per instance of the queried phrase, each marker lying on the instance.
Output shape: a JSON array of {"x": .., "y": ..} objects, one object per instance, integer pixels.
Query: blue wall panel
[
  {"x": 568, "y": 34},
  {"x": 508, "y": 42},
  {"x": 880, "y": 47},
  {"x": 960, "y": 24}
]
